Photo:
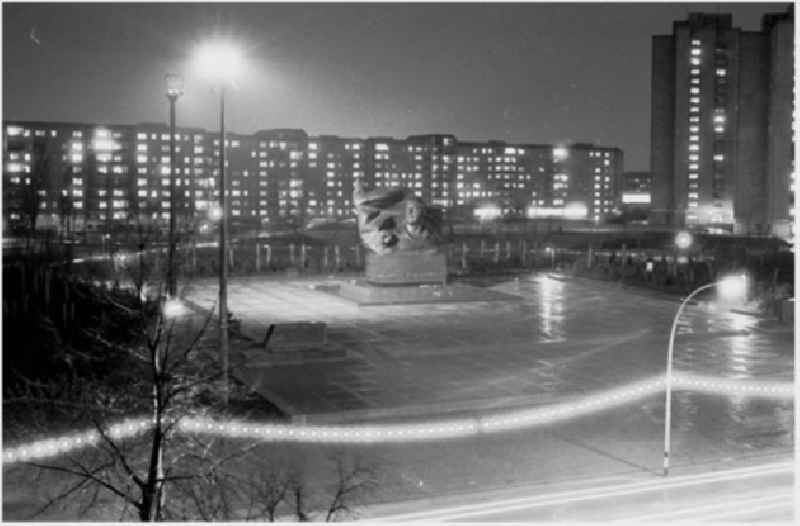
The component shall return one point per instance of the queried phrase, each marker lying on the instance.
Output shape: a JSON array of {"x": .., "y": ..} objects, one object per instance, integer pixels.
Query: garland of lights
[{"x": 405, "y": 432}]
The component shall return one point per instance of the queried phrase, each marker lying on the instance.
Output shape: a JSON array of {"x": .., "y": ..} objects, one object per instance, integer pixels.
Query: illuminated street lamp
[
  {"x": 173, "y": 308},
  {"x": 683, "y": 240},
  {"x": 174, "y": 90},
  {"x": 220, "y": 62},
  {"x": 730, "y": 288}
]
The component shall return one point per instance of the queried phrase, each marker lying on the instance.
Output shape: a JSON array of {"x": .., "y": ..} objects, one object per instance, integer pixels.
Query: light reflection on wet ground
[
  {"x": 750, "y": 355},
  {"x": 566, "y": 337}
]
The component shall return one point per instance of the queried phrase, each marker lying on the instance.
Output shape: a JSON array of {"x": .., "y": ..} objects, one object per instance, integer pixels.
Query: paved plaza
[{"x": 566, "y": 337}]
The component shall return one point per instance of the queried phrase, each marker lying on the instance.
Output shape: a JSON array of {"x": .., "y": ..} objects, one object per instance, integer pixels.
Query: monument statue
[
  {"x": 402, "y": 235},
  {"x": 395, "y": 220},
  {"x": 404, "y": 262}
]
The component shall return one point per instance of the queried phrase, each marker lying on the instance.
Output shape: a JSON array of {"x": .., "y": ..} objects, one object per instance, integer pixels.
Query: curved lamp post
[
  {"x": 221, "y": 62},
  {"x": 174, "y": 90},
  {"x": 731, "y": 287}
]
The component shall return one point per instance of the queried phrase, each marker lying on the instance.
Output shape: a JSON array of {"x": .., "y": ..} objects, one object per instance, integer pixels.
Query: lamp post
[
  {"x": 221, "y": 61},
  {"x": 174, "y": 90},
  {"x": 223, "y": 256},
  {"x": 730, "y": 287}
]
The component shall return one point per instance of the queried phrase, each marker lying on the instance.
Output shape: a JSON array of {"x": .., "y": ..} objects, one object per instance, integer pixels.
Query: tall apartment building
[
  {"x": 721, "y": 134},
  {"x": 111, "y": 178}
]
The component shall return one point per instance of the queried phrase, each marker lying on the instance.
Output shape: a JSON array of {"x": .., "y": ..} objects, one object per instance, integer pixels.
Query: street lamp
[
  {"x": 220, "y": 62},
  {"x": 729, "y": 288},
  {"x": 683, "y": 240},
  {"x": 174, "y": 308},
  {"x": 174, "y": 90}
]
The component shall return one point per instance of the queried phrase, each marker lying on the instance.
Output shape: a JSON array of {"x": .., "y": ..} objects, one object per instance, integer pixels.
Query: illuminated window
[
  {"x": 719, "y": 157},
  {"x": 695, "y": 61},
  {"x": 695, "y": 42},
  {"x": 694, "y": 147},
  {"x": 721, "y": 72},
  {"x": 694, "y": 71},
  {"x": 694, "y": 91},
  {"x": 694, "y": 100},
  {"x": 692, "y": 176},
  {"x": 695, "y": 51},
  {"x": 694, "y": 138},
  {"x": 694, "y": 109}
]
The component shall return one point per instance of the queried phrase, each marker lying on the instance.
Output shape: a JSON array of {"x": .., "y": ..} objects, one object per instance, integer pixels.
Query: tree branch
[
  {"x": 119, "y": 454},
  {"x": 89, "y": 475}
]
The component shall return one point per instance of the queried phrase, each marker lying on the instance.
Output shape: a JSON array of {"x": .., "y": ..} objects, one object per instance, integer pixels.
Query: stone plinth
[
  {"x": 364, "y": 293},
  {"x": 406, "y": 268}
]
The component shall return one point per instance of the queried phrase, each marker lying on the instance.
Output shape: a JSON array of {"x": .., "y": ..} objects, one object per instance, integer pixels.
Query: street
[{"x": 759, "y": 492}]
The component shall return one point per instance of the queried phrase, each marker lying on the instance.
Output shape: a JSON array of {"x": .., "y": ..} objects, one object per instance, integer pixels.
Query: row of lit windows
[{"x": 694, "y": 128}]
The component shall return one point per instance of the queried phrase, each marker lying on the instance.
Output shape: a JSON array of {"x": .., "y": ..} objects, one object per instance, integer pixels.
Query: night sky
[{"x": 540, "y": 73}]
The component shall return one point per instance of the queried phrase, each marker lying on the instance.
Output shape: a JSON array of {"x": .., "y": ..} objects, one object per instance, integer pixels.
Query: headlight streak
[
  {"x": 466, "y": 511},
  {"x": 408, "y": 432}
]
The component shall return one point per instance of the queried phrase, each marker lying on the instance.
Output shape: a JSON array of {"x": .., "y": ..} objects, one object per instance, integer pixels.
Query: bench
[{"x": 295, "y": 336}]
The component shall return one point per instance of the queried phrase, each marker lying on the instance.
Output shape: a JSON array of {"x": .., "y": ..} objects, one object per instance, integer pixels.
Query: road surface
[{"x": 761, "y": 492}]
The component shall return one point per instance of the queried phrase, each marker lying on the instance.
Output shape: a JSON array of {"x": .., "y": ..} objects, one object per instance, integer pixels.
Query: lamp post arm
[{"x": 668, "y": 378}]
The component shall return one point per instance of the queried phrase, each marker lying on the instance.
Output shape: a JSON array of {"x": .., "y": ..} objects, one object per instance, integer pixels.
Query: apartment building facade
[
  {"x": 721, "y": 146},
  {"x": 88, "y": 177}
]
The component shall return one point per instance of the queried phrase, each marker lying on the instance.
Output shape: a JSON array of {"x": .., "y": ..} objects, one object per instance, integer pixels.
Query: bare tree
[
  {"x": 351, "y": 484},
  {"x": 163, "y": 375},
  {"x": 163, "y": 474}
]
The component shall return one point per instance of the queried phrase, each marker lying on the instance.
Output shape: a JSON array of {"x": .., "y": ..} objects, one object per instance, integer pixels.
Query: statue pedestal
[
  {"x": 413, "y": 277},
  {"x": 367, "y": 294},
  {"x": 406, "y": 268}
]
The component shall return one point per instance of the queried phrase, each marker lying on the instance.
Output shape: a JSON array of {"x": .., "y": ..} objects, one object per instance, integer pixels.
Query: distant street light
[
  {"x": 683, "y": 240},
  {"x": 221, "y": 62},
  {"x": 174, "y": 90},
  {"x": 173, "y": 307},
  {"x": 731, "y": 288}
]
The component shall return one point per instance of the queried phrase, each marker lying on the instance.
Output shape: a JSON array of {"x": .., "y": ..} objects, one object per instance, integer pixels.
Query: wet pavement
[{"x": 565, "y": 338}]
